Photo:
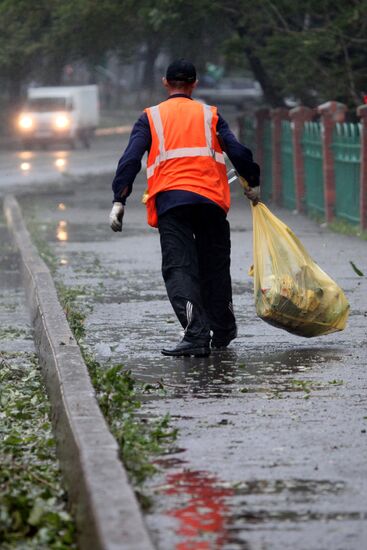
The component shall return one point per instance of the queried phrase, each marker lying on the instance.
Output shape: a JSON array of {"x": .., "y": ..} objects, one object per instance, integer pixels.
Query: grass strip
[{"x": 32, "y": 500}]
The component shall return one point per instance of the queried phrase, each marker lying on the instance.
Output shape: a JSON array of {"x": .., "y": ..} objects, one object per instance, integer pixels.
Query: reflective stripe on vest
[{"x": 182, "y": 152}]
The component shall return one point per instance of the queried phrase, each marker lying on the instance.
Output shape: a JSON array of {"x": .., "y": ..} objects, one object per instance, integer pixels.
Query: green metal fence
[
  {"x": 288, "y": 181},
  {"x": 266, "y": 178},
  {"x": 347, "y": 159},
  {"x": 312, "y": 152},
  {"x": 249, "y": 133}
]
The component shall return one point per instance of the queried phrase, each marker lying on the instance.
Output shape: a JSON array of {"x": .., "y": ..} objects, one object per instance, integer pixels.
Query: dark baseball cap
[{"x": 181, "y": 70}]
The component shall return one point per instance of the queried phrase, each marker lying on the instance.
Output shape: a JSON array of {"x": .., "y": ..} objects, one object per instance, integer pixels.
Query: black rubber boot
[
  {"x": 222, "y": 340},
  {"x": 187, "y": 349}
]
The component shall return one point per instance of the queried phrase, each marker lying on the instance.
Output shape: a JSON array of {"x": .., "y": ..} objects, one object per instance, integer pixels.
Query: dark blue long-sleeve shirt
[{"x": 140, "y": 141}]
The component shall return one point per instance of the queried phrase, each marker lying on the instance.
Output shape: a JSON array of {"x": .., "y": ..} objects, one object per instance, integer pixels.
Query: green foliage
[
  {"x": 88, "y": 29},
  {"x": 302, "y": 385},
  {"x": 356, "y": 269},
  {"x": 22, "y": 26},
  {"x": 138, "y": 438},
  {"x": 76, "y": 318},
  {"x": 32, "y": 501},
  {"x": 11, "y": 333},
  {"x": 309, "y": 50},
  {"x": 345, "y": 228}
]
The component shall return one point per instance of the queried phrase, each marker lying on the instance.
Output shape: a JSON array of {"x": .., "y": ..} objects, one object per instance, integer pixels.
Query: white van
[{"x": 59, "y": 114}]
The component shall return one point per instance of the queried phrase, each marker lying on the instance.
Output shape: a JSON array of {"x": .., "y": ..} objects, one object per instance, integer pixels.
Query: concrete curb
[{"x": 104, "y": 505}]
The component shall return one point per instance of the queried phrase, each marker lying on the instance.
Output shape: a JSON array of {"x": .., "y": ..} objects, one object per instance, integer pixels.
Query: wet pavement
[
  {"x": 272, "y": 444},
  {"x": 16, "y": 336}
]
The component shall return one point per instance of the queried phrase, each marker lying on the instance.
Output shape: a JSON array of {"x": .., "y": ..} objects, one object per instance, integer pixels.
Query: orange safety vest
[{"x": 185, "y": 153}]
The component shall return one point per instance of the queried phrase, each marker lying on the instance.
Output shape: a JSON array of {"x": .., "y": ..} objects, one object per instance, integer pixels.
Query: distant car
[{"x": 237, "y": 91}]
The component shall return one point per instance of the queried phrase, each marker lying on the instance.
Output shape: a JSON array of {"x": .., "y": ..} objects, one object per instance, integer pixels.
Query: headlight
[
  {"x": 62, "y": 122},
  {"x": 25, "y": 122}
]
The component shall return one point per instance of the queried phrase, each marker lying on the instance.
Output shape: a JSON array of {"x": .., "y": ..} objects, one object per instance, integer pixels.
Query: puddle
[
  {"x": 201, "y": 515},
  {"x": 208, "y": 512},
  {"x": 224, "y": 373},
  {"x": 277, "y": 486},
  {"x": 263, "y": 516}
]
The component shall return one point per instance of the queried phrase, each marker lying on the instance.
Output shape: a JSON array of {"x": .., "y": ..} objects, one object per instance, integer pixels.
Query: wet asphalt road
[
  {"x": 272, "y": 445},
  {"x": 24, "y": 171}
]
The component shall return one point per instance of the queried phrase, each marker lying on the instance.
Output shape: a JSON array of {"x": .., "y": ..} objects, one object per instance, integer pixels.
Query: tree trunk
[
  {"x": 271, "y": 94},
  {"x": 148, "y": 78}
]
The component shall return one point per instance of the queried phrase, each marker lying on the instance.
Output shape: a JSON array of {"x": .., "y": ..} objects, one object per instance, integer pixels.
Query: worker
[{"x": 188, "y": 199}]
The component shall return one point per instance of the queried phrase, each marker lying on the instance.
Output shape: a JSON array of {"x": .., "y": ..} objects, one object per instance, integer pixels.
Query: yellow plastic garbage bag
[{"x": 291, "y": 291}]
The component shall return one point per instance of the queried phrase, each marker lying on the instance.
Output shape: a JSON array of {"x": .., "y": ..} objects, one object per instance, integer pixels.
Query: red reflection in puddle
[{"x": 202, "y": 520}]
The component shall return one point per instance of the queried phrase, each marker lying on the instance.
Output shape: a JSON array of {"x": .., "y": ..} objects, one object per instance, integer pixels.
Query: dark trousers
[{"x": 196, "y": 246}]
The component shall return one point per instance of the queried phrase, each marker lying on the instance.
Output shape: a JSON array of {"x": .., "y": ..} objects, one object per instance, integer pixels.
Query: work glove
[
  {"x": 253, "y": 194},
  {"x": 116, "y": 215}
]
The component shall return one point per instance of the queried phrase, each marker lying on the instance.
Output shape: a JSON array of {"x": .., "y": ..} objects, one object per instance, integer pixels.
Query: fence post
[
  {"x": 261, "y": 115},
  {"x": 362, "y": 113},
  {"x": 299, "y": 115},
  {"x": 277, "y": 115},
  {"x": 331, "y": 112},
  {"x": 241, "y": 133}
]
